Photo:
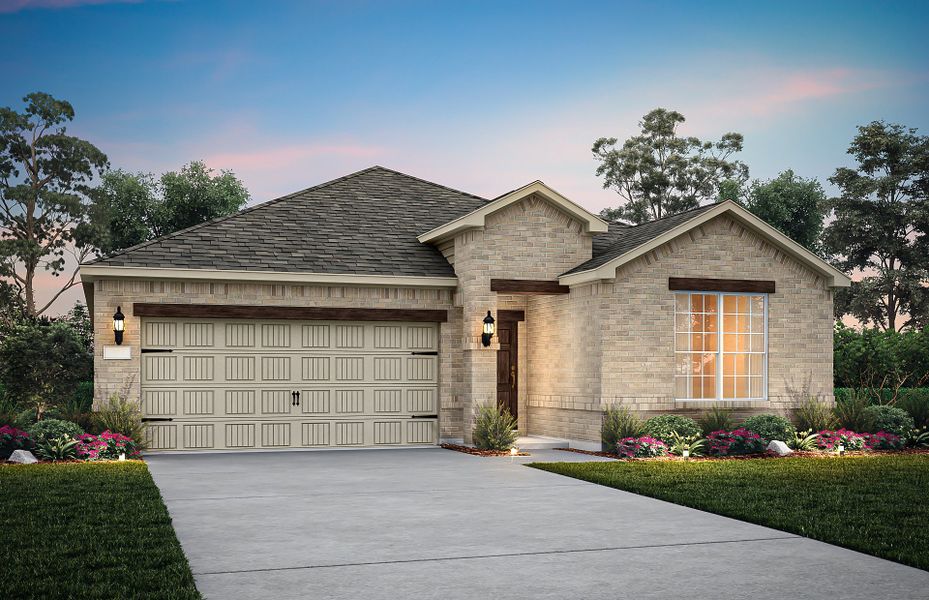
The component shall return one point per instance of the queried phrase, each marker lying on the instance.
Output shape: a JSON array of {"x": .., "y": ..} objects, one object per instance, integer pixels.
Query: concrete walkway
[{"x": 432, "y": 523}]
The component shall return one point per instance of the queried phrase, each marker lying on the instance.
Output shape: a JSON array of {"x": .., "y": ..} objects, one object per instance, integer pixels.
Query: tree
[
  {"x": 658, "y": 174},
  {"x": 794, "y": 205},
  {"x": 135, "y": 208},
  {"x": 41, "y": 364},
  {"x": 45, "y": 177},
  {"x": 880, "y": 227}
]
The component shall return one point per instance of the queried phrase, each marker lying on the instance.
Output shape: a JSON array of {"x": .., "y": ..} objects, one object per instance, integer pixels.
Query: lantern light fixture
[
  {"x": 489, "y": 329},
  {"x": 119, "y": 325}
]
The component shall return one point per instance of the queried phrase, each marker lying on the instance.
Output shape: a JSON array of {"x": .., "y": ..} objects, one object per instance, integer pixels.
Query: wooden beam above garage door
[{"x": 295, "y": 313}]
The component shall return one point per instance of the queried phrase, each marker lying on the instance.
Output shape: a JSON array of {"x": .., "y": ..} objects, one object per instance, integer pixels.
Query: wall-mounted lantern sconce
[
  {"x": 489, "y": 329},
  {"x": 119, "y": 325}
]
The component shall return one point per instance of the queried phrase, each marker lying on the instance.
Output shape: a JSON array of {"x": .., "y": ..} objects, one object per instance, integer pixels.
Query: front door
[{"x": 507, "y": 364}]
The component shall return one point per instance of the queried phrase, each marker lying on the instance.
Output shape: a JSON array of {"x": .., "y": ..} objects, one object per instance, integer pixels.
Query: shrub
[
  {"x": 716, "y": 418},
  {"x": 770, "y": 427},
  {"x": 693, "y": 445},
  {"x": 12, "y": 439},
  {"x": 106, "y": 446},
  {"x": 121, "y": 415},
  {"x": 83, "y": 401},
  {"x": 889, "y": 419},
  {"x": 830, "y": 440},
  {"x": 915, "y": 401},
  {"x": 29, "y": 417},
  {"x": 883, "y": 441},
  {"x": 61, "y": 448},
  {"x": 803, "y": 440},
  {"x": 850, "y": 410},
  {"x": 662, "y": 427},
  {"x": 618, "y": 422},
  {"x": 739, "y": 441},
  {"x": 813, "y": 414},
  {"x": 494, "y": 429},
  {"x": 49, "y": 429},
  {"x": 41, "y": 362},
  {"x": 641, "y": 447}
]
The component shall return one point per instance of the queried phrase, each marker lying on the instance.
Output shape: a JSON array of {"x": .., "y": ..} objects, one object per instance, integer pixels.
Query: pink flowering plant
[
  {"x": 831, "y": 440},
  {"x": 738, "y": 441},
  {"x": 641, "y": 447},
  {"x": 882, "y": 441},
  {"x": 12, "y": 439},
  {"x": 106, "y": 446}
]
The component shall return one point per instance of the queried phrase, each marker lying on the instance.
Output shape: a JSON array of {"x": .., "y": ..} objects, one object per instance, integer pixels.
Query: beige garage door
[{"x": 239, "y": 384}]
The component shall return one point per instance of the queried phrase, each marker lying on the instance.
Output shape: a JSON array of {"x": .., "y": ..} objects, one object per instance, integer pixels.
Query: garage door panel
[
  {"x": 199, "y": 402},
  {"x": 231, "y": 384}
]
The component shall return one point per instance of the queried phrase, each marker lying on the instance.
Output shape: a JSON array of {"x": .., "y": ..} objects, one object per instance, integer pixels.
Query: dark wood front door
[{"x": 507, "y": 365}]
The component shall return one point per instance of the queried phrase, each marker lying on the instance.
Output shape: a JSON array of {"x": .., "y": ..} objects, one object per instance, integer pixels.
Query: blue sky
[{"x": 483, "y": 96}]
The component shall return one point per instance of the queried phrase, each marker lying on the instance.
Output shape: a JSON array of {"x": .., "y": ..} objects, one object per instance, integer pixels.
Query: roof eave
[
  {"x": 90, "y": 272},
  {"x": 607, "y": 270}
]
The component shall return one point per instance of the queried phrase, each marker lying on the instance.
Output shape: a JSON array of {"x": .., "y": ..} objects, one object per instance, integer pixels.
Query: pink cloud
[{"x": 11, "y": 6}]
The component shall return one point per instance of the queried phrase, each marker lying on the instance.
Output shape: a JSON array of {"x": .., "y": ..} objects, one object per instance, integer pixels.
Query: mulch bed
[
  {"x": 796, "y": 454},
  {"x": 476, "y": 452}
]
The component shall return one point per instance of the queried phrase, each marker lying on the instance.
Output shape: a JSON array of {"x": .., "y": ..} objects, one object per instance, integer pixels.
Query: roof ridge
[
  {"x": 426, "y": 181},
  {"x": 683, "y": 212},
  {"x": 268, "y": 203}
]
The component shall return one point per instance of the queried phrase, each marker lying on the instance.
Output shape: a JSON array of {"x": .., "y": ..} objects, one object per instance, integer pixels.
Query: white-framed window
[{"x": 720, "y": 346}]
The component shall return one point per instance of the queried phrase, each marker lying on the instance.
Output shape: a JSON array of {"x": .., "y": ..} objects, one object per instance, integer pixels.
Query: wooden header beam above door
[{"x": 528, "y": 286}]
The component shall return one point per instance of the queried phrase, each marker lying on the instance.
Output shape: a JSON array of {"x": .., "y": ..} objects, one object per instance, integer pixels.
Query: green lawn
[
  {"x": 873, "y": 504},
  {"x": 88, "y": 530}
]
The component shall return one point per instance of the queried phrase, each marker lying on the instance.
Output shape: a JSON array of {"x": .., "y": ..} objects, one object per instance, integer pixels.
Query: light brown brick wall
[
  {"x": 619, "y": 335},
  {"x": 113, "y": 375},
  {"x": 529, "y": 239}
]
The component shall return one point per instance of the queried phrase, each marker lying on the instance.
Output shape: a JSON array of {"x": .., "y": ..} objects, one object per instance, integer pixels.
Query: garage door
[{"x": 238, "y": 384}]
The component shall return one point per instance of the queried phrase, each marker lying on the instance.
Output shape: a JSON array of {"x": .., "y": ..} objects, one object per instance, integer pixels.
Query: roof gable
[
  {"x": 638, "y": 240},
  {"x": 361, "y": 224},
  {"x": 476, "y": 218}
]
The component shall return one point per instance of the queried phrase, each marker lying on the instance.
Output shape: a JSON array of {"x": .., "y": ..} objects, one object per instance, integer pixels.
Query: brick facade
[{"x": 605, "y": 342}]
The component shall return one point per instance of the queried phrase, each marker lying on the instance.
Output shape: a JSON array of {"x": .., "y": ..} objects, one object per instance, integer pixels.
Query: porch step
[{"x": 537, "y": 442}]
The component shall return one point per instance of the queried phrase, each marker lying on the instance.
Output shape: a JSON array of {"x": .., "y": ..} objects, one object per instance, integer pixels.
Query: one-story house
[{"x": 353, "y": 313}]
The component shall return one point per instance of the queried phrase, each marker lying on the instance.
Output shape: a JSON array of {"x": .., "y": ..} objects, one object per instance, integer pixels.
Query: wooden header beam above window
[
  {"x": 693, "y": 284},
  {"x": 528, "y": 286},
  {"x": 298, "y": 313}
]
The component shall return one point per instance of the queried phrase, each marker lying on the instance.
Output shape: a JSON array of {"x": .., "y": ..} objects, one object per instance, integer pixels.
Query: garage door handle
[
  {"x": 298, "y": 398},
  {"x": 433, "y": 353},
  {"x": 424, "y": 417},
  {"x": 293, "y": 398},
  {"x": 148, "y": 419}
]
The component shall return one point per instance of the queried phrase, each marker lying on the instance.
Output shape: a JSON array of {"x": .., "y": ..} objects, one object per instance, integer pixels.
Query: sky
[{"x": 479, "y": 96}]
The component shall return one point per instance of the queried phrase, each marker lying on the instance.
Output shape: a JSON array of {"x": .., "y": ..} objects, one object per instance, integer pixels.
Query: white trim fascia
[
  {"x": 92, "y": 272},
  {"x": 607, "y": 270},
  {"x": 475, "y": 219}
]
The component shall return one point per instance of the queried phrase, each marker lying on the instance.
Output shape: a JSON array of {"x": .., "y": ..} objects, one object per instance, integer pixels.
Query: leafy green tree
[
  {"x": 45, "y": 178},
  {"x": 659, "y": 173},
  {"x": 78, "y": 318},
  {"x": 41, "y": 364},
  {"x": 794, "y": 205},
  {"x": 881, "y": 225},
  {"x": 135, "y": 207}
]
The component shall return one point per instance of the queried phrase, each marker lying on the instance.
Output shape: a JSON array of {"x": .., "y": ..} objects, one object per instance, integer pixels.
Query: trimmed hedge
[{"x": 867, "y": 357}]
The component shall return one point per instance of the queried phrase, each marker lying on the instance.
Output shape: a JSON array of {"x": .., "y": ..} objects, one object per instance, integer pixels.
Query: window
[{"x": 720, "y": 346}]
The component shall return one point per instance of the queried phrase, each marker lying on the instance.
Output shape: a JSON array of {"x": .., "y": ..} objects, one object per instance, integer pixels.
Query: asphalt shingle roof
[
  {"x": 621, "y": 238},
  {"x": 363, "y": 223}
]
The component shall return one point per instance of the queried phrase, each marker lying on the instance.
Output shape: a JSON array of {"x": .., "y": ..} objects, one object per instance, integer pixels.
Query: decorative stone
[
  {"x": 779, "y": 448},
  {"x": 23, "y": 457}
]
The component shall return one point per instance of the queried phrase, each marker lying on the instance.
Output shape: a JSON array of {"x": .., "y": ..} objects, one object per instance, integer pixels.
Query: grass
[
  {"x": 873, "y": 504},
  {"x": 88, "y": 530}
]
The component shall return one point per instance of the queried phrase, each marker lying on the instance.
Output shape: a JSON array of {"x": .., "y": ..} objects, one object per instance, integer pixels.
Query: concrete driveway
[{"x": 432, "y": 523}]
